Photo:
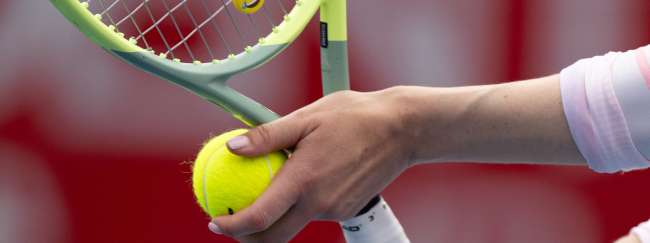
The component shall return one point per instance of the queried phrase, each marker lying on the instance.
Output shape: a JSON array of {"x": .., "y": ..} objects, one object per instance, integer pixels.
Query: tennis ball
[
  {"x": 225, "y": 183},
  {"x": 248, "y": 6}
]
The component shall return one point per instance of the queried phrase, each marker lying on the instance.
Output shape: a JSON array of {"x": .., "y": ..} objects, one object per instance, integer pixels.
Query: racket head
[{"x": 194, "y": 48}]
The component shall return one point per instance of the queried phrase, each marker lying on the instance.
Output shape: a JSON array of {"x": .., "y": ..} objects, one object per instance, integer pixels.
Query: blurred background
[{"x": 93, "y": 150}]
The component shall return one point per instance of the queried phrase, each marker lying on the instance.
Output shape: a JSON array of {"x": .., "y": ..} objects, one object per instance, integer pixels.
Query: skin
[
  {"x": 629, "y": 239},
  {"x": 349, "y": 146}
]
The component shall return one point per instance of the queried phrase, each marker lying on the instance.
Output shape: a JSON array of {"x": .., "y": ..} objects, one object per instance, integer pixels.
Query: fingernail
[
  {"x": 238, "y": 142},
  {"x": 214, "y": 228}
]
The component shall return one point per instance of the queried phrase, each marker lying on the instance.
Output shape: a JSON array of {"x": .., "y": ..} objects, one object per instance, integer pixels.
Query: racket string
[
  {"x": 160, "y": 33},
  {"x": 284, "y": 10},
  {"x": 161, "y": 26},
  {"x": 197, "y": 28},
  {"x": 232, "y": 20},
  {"x": 157, "y": 22},
  {"x": 216, "y": 27},
  {"x": 131, "y": 13},
  {"x": 110, "y": 19},
  {"x": 106, "y": 10},
  {"x": 178, "y": 29},
  {"x": 265, "y": 12},
  {"x": 256, "y": 32},
  {"x": 135, "y": 23}
]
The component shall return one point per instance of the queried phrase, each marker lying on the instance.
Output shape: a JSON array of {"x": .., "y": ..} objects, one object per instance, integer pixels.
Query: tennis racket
[{"x": 200, "y": 44}]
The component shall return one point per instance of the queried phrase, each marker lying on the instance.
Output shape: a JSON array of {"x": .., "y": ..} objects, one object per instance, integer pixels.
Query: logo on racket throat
[{"x": 248, "y": 6}]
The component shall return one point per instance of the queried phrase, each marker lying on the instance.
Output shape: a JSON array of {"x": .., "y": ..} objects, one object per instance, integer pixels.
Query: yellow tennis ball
[
  {"x": 225, "y": 183},
  {"x": 248, "y": 6}
]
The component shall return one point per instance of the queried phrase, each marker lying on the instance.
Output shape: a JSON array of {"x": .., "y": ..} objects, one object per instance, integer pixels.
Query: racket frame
[{"x": 208, "y": 80}]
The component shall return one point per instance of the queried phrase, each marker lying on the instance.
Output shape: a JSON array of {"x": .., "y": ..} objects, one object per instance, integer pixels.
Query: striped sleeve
[{"x": 606, "y": 101}]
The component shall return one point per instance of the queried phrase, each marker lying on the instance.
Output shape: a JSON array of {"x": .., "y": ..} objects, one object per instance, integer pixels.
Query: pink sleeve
[
  {"x": 597, "y": 120},
  {"x": 642, "y": 231}
]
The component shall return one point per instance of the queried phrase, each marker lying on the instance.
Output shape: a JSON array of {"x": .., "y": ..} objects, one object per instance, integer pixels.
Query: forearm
[{"x": 511, "y": 122}]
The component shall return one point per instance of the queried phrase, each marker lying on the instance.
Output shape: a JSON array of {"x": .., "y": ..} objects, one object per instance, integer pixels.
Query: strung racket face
[{"x": 197, "y": 44}]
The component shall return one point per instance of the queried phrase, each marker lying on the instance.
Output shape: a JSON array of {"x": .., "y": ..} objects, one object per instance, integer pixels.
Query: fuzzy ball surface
[{"x": 225, "y": 183}]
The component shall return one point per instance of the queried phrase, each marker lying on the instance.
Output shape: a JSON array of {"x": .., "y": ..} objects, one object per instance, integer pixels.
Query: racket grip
[{"x": 375, "y": 223}]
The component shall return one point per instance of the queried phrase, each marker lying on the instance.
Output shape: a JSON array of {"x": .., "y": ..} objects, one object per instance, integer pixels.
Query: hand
[{"x": 348, "y": 146}]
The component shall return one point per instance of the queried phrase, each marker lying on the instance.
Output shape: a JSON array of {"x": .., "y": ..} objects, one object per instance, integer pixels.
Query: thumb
[{"x": 279, "y": 134}]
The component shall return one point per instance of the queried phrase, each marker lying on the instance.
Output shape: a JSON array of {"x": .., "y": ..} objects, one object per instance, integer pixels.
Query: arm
[
  {"x": 350, "y": 145},
  {"x": 505, "y": 123},
  {"x": 595, "y": 111}
]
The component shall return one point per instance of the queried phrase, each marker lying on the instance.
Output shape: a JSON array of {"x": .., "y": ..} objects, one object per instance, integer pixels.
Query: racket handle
[{"x": 376, "y": 223}]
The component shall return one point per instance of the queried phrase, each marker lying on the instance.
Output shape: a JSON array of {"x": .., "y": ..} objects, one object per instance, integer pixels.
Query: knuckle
[
  {"x": 300, "y": 114},
  {"x": 347, "y": 92},
  {"x": 263, "y": 134},
  {"x": 339, "y": 94},
  {"x": 259, "y": 221},
  {"x": 308, "y": 180},
  {"x": 301, "y": 187},
  {"x": 324, "y": 208}
]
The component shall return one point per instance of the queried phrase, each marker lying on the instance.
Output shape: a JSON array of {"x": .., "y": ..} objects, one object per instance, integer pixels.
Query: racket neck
[{"x": 334, "y": 46}]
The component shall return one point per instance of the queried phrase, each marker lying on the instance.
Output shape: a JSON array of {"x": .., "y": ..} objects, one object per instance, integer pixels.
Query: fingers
[
  {"x": 280, "y": 134},
  {"x": 282, "y": 194},
  {"x": 284, "y": 229}
]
